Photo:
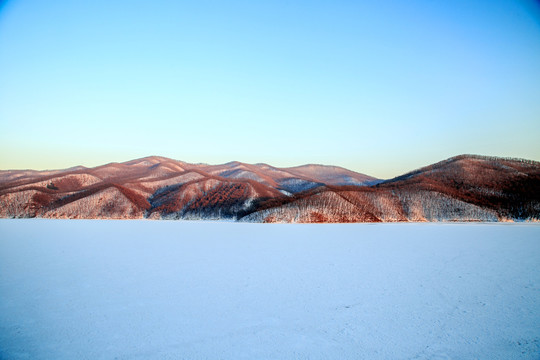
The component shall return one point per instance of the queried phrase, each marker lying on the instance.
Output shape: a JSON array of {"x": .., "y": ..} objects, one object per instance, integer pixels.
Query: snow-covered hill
[{"x": 463, "y": 188}]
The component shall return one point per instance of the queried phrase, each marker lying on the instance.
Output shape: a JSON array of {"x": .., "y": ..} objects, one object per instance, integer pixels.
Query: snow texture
[{"x": 83, "y": 289}]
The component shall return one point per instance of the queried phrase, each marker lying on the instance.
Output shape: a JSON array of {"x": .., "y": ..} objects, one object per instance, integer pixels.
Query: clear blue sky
[{"x": 377, "y": 87}]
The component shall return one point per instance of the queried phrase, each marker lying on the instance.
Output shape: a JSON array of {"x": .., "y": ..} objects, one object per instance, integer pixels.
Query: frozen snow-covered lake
[{"x": 201, "y": 290}]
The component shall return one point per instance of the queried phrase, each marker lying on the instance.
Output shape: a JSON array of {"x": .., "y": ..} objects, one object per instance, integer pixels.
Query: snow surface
[{"x": 82, "y": 289}]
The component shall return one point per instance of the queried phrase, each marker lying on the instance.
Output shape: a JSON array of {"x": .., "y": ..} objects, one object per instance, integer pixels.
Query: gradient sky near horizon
[{"x": 377, "y": 87}]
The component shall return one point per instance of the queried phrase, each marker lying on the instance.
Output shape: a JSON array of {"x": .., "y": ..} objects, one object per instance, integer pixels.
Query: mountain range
[{"x": 462, "y": 188}]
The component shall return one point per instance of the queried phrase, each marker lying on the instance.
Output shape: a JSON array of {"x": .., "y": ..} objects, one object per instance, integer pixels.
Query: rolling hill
[{"x": 462, "y": 188}]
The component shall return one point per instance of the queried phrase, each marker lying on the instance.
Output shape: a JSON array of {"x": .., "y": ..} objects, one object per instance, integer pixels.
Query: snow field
[{"x": 80, "y": 289}]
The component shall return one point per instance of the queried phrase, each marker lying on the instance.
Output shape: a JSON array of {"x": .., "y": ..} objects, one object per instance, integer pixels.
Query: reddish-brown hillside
[{"x": 463, "y": 188}]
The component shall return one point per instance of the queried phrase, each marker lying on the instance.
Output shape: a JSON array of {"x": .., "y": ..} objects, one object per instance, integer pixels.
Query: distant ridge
[
  {"x": 461, "y": 188},
  {"x": 464, "y": 157}
]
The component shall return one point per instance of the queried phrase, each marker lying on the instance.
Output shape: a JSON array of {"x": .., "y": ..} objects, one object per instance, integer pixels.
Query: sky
[{"x": 377, "y": 87}]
